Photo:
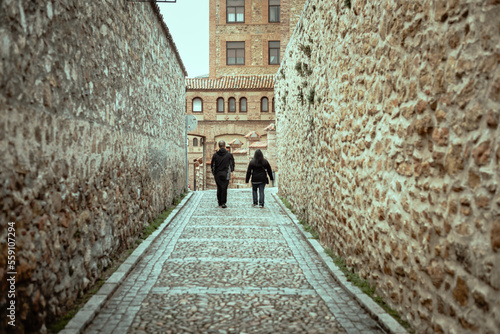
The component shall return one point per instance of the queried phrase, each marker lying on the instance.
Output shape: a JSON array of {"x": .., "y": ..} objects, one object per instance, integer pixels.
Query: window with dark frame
[
  {"x": 243, "y": 104},
  {"x": 220, "y": 104},
  {"x": 235, "y": 53},
  {"x": 274, "y": 10},
  {"x": 235, "y": 11},
  {"x": 197, "y": 105},
  {"x": 195, "y": 141},
  {"x": 274, "y": 52},
  {"x": 232, "y": 104},
  {"x": 264, "y": 104},
  {"x": 273, "y": 105}
]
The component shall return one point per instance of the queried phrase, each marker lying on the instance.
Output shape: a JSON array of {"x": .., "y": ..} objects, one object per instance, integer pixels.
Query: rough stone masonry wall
[
  {"x": 91, "y": 138},
  {"x": 388, "y": 112}
]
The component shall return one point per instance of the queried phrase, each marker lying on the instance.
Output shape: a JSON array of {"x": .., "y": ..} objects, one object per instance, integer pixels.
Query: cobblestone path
[{"x": 234, "y": 270}]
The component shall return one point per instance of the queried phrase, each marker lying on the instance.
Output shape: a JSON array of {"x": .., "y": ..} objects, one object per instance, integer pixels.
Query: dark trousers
[
  {"x": 222, "y": 184},
  {"x": 260, "y": 187}
]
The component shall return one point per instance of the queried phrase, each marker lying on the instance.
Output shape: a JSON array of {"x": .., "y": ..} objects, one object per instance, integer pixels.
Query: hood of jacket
[{"x": 222, "y": 151}]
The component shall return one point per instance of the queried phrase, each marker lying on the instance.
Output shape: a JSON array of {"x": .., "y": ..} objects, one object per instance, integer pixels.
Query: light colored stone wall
[
  {"x": 92, "y": 101},
  {"x": 388, "y": 112}
]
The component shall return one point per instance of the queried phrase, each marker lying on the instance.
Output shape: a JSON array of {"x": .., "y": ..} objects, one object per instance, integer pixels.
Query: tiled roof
[
  {"x": 240, "y": 151},
  {"x": 258, "y": 144},
  {"x": 235, "y": 141},
  {"x": 253, "y": 135},
  {"x": 231, "y": 82},
  {"x": 270, "y": 127}
]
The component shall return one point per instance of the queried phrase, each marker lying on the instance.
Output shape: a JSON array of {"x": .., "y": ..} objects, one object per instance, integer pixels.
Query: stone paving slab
[
  {"x": 211, "y": 247},
  {"x": 213, "y": 313},
  {"x": 229, "y": 274},
  {"x": 237, "y": 232},
  {"x": 234, "y": 270}
]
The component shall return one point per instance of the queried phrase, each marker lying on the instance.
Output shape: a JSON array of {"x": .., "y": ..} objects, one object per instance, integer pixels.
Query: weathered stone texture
[
  {"x": 388, "y": 113},
  {"x": 92, "y": 100}
]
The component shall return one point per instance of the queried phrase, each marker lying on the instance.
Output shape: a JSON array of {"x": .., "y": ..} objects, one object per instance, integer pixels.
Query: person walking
[
  {"x": 222, "y": 166},
  {"x": 257, "y": 169}
]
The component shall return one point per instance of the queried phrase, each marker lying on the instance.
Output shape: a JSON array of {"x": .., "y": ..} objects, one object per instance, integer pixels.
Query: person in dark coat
[
  {"x": 257, "y": 169},
  {"x": 222, "y": 166}
]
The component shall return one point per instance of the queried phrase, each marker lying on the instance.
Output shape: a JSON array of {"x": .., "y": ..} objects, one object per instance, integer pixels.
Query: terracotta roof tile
[
  {"x": 235, "y": 141},
  {"x": 240, "y": 151},
  {"x": 231, "y": 82},
  {"x": 270, "y": 127},
  {"x": 253, "y": 135}
]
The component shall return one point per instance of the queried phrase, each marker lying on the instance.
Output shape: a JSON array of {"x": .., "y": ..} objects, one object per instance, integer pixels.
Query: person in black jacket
[
  {"x": 222, "y": 166},
  {"x": 257, "y": 169}
]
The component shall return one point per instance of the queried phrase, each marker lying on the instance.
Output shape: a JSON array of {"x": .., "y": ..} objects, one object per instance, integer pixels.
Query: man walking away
[
  {"x": 257, "y": 169},
  {"x": 222, "y": 166}
]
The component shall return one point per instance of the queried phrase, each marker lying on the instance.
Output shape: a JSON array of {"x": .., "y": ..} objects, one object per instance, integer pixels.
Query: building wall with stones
[
  {"x": 226, "y": 125},
  {"x": 388, "y": 111},
  {"x": 92, "y": 100}
]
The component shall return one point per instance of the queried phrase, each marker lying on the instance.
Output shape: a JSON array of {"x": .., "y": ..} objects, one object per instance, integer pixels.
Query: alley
[{"x": 234, "y": 270}]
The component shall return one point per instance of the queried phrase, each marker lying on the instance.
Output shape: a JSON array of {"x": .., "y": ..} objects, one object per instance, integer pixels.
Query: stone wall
[
  {"x": 388, "y": 111},
  {"x": 92, "y": 100}
]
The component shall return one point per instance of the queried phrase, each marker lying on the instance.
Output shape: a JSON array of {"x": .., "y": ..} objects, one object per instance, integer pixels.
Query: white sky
[{"x": 187, "y": 21}]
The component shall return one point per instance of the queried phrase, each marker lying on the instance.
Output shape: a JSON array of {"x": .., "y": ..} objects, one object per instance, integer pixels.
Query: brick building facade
[{"x": 235, "y": 103}]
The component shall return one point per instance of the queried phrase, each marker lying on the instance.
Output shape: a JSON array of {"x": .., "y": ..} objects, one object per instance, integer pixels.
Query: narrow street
[{"x": 234, "y": 270}]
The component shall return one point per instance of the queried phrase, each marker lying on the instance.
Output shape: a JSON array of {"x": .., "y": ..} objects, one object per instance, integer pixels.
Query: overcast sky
[{"x": 187, "y": 21}]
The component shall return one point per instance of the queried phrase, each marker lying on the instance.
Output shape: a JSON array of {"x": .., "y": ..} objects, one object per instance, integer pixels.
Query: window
[
  {"x": 273, "y": 105},
  {"x": 197, "y": 105},
  {"x": 235, "y": 53},
  {"x": 243, "y": 104},
  {"x": 274, "y": 52},
  {"x": 195, "y": 142},
  {"x": 201, "y": 141},
  {"x": 220, "y": 104},
  {"x": 232, "y": 104},
  {"x": 264, "y": 104},
  {"x": 274, "y": 10},
  {"x": 235, "y": 10}
]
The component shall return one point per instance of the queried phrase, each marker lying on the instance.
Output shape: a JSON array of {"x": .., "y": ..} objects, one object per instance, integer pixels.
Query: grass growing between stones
[
  {"x": 310, "y": 229},
  {"x": 307, "y": 227},
  {"x": 367, "y": 288},
  {"x": 59, "y": 324},
  {"x": 286, "y": 203}
]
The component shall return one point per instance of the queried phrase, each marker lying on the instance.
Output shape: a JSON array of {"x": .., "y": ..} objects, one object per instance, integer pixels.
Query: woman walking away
[{"x": 257, "y": 169}]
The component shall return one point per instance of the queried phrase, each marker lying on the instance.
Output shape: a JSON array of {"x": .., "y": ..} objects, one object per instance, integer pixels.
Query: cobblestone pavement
[{"x": 235, "y": 270}]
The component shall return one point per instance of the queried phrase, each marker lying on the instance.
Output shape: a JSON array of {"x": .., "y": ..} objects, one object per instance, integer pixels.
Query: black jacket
[
  {"x": 222, "y": 160},
  {"x": 259, "y": 173}
]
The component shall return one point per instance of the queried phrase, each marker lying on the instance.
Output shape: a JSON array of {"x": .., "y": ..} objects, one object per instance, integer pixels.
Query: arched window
[
  {"x": 220, "y": 104},
  {"x": 243, "y": 104},
  {"x": 201, "y": 141},
  {"x": 264, "y": 104},
  {"x": 195, "y": 141},
  {"x": 232, "y": 104},
  {"x": 273, "y": 105},
  {"x": 197, "y": 105}
]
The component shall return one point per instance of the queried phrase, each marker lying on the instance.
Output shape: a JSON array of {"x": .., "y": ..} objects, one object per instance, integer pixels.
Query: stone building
[{"x": 247, "y": 40}]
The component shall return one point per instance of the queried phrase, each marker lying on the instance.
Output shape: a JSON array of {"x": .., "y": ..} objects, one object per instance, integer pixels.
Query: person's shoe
[
  {"x": 254, "y": 205},
  {"x": 262, "y": 206},
  {"x": 224, "y": 206}
]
